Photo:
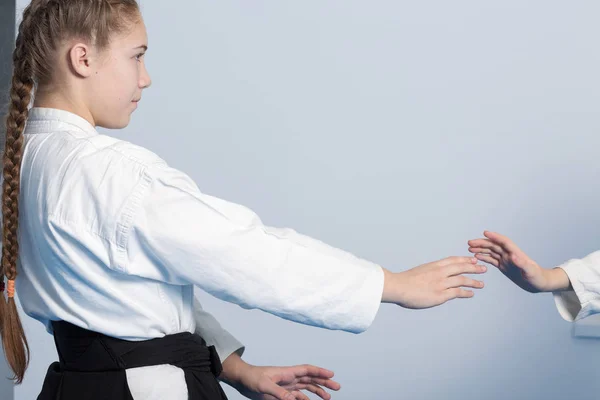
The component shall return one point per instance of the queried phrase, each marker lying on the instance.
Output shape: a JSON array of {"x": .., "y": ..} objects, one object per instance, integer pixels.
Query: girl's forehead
[{"x": 134, "y": 37}]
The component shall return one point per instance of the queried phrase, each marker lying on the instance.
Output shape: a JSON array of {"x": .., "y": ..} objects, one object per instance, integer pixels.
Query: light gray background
[{"x": 397, "y": 130}]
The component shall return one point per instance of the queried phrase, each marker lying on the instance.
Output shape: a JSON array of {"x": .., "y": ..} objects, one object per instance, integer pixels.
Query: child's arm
[
  {"x": 254, "y": 382},
  {"x": 172, "y": 232}
]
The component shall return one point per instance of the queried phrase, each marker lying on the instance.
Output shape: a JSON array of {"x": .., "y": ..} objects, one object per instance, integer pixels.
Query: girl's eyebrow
[{"x": 142, "y": 47}]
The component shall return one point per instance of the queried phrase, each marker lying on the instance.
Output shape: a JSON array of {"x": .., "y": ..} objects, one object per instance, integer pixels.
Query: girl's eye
[{"x": 139, "y": 56}]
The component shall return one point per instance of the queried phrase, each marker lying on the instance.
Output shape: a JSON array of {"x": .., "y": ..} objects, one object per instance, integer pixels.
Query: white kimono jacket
[{"x": 114, "y": 240}]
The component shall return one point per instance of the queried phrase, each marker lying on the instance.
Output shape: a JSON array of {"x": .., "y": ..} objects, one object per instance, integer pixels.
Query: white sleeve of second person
[
  {"x": 584, "y": 299},
  {"x": 172, "y": 232}
]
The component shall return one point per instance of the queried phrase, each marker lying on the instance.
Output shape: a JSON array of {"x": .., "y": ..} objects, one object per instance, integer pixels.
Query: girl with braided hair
[{"x": 105, "y": 241}]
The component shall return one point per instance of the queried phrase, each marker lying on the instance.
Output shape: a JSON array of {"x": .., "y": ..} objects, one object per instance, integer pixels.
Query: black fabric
[{"x": 92, "y": 366}]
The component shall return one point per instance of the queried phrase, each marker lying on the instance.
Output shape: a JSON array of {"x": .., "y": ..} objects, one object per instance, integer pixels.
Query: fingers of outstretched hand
[
  {"x": 464, "y": 268},
  {"x": 504, "y": 242},
  {"x": 299, "y": 395},
  {"x": 328, "y": 383},
  {"x": 454, "y": 293},
  {"x": 488, "y": 259},
  {"x": 311, "y": 370},
  {"x": 278, "y": 392},
  {"x": 314, "y": 389},
  {"x": 454, "y": 260},
  {"x": 269, "y": 386},
  {"x": 486, "y": 246},
  {"x": 462, "y": 281}
]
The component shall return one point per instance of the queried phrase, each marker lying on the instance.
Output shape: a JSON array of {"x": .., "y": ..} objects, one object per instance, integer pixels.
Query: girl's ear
[{"x": 80, "y": 59}]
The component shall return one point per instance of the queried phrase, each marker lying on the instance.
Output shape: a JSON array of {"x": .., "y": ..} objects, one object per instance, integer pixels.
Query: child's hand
[
  {"x": 432, "y": 284},
  {"x": 501, "y": 252},
  {"x": 277, "y": 383},
  {"x": 283, "y": 383}
]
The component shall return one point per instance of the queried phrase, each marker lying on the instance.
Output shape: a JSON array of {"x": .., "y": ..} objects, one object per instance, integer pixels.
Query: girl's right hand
[{"x": 432, "y": 284}]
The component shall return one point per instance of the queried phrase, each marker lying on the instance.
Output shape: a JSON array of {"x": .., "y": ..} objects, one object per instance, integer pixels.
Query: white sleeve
[
  {"x": 214, "y": 334},
  {"x": 179, "y": 235},
  {"x": 584, "y": 299}
]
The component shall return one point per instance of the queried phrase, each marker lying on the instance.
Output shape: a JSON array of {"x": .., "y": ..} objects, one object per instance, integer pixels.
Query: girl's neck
[{"x": 53, "y": 100}]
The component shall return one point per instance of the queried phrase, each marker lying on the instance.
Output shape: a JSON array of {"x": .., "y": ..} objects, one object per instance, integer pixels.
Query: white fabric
[
  {"x": 112, "y": 239},
  {"x": 584, "y": 299}
]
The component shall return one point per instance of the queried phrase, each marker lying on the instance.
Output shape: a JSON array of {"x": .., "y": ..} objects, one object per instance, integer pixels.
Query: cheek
[
  {"x": 108, "y": 83},
  {"x": 127, "y": 78},
  {"x": 124, "y": 79}
]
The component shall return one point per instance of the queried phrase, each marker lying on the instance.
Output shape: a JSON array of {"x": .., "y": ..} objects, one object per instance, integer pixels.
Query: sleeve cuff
[
  {"x": 568, "y": 305},
  {"x": 225, "y": 344},
  {"x": 373, "y": 287},
  {"x": 574, "y": 305},
  {"x": 225, "y": 352}
]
